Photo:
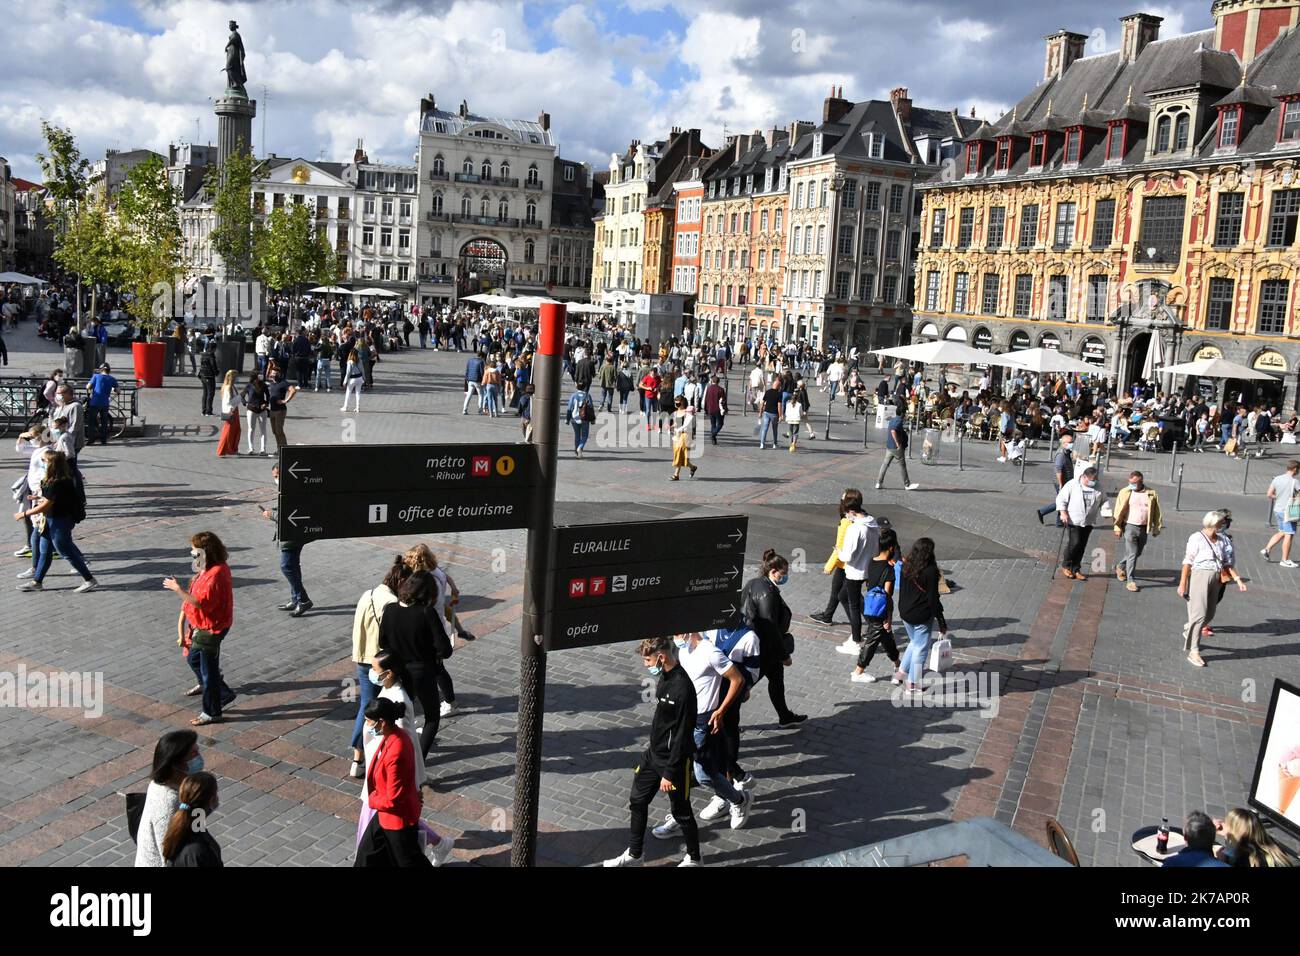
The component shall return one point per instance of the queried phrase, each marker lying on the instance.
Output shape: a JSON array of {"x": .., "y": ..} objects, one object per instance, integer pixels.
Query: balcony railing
[
  {"x": 386, "y": 219},
  {"x": 437, "y": 280},
  {"x": 508, "y": 181},
  {"x": 438, "y": 176},
  {"x": 467, "y": 178},
  {"x": 437, "y": 216},
  {"x": 533, "y": 184}
]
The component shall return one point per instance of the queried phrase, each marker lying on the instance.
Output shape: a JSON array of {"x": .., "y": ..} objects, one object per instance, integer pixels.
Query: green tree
[
  {"x": 149, "y": 250},
  {"x": 66, "y": 174},
  {"x": 87, "y": 246},
  {"x": 289, "y": 251},
  {"x": 231, "y": 188}
]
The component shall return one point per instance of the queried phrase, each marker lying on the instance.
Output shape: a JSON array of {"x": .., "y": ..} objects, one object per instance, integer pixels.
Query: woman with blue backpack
[{"x": 883, "y": 576}]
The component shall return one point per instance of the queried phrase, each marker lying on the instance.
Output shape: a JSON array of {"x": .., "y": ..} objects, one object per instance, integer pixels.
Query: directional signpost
[
  {"x": 633, "y": 580},
  {"x": 359, "y": 491}
]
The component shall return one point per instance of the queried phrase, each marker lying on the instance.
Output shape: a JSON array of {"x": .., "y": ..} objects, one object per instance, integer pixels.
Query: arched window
[
  {"x": 503, "y": 209},
  {"x": 532, "y": 212},
  {"x": 437, "y": 203},
  {"x": 486, "y": 170},
  {"x": 483, "y": 205},
  {"x": 528, "y": 250},
  {"x": 467, "y": 167},
  {"x": 1182, "y": 131},
  {"x": 1162, "y": 134},
  {"x": 439, "y": 166},
  {"x": 532, "y": 174},
  {"x": 505, "y": 170},
  {"x": 466, "y": 206}
]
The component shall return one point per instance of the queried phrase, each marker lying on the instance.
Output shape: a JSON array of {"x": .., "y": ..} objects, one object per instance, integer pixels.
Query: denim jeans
[
  {"x": 769, "y": 421},
  {"x": 207, "y": 669},
  {"x": 57, "y": 537},
  {"x": 714, "y": 775},
  {"x": 323, "y": 373},
  {"x": 472, "y": 388},
  {"x": 918, "y": 648},
  {"x": 490, "y": 400},
  {"x": 291, "y": 568},
  {"x": 580, "y": 432},
  {"x": 835, "y": 389},
  {"x": 368, "y": 693}
]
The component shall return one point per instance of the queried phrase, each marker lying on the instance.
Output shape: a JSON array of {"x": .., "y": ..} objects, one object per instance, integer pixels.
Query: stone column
[{"x": 234, "y": 125}]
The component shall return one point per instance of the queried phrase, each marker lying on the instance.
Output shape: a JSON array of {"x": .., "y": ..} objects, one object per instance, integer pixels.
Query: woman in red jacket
[
  {"x": 649, "y": 387},
  {"x": 207, "y": 611},
  {"x": 393, "y": 836}
]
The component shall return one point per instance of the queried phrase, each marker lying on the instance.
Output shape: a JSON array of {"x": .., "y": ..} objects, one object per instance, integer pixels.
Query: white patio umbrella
[
  {"x": 940, "y": 353},
  {"x": 1048, "y": 360},
  {"x": 531, "y": 301},
  {"x": 330, "y": 290},
  {"x": 20, "y": 279},
  {"x": 476, "y": 297},
  {"x": 380, "y": 293},
  {"x": 1216, "y": 368},
  {"x": 1155, "y": 357}
]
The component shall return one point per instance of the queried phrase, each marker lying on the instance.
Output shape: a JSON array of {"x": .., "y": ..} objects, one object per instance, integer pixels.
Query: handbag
[
  {"x": 134, "y": 813},
  {"x": 940, "y": 655},
  {"x": 1293, "y": 509}
]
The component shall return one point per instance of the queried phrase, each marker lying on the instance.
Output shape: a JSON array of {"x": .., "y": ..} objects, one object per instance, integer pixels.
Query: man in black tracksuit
[{"x": 666, "y": 764}]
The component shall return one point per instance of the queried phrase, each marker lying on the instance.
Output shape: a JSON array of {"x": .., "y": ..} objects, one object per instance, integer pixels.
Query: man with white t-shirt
[
  {"x": 707, "y": 668},
  {"x": 740, "y": 643}
]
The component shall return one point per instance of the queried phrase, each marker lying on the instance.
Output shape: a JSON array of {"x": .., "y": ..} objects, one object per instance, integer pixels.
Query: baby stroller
[{"x": 1150, "y": 440}]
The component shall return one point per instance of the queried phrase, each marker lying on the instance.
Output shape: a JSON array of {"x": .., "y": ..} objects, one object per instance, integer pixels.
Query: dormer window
[
  {"x": 875, "y": 146},
  {"x": 817, "y": 144},
  {"x": 1073, "y": 145},
  {"x": 1229, "y": 127},
  {"x": 1037, "y": 150},
  {"x": 1289, "y": 130},
  {"x": 1182, "y": 131},
  {"x": 974, "y": 158},
  {"x": 1116, "y": 141},
  {"x": 1003, "y": 159},
  {"x": 1163, "y": 128}
]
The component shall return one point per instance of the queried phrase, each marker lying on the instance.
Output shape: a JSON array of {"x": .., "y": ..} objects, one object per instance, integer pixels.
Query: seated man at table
[{"x": 1199, "y": 834}]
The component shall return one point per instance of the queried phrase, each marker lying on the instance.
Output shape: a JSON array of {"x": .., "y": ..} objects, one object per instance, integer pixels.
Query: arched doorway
[
  {"x": 1135, "y": 356},
  {"x": 483, "y": 265}
]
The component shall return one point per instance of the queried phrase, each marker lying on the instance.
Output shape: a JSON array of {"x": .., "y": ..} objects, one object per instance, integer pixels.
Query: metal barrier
[{"x": 19, "y": 409}]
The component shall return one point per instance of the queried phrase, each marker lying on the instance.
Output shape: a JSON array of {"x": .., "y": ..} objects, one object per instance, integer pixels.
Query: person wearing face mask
[
  {"x": 67, "y": 406},
  {"x": 1063, "y": 468},
  {"x": 665, "y": 765},
  {"x": 188, "y": 840},
  {"x": 365, "y": 645},
  {"x": 279, "y": 394},
  {"x": 861, "y": 542},
  {"x": 384, "y": 677},
  {"x": 207, "y": 611},
  {"x": 1079, "y": 505},
  {"x": 392, "y": 837},
  {"x": 710, "y": 670},
  {"x": 1137, "y": 514},
  {"x": 32, "y": 443},
  {"x": 175, "y": 757},
  {"x": 56, "y": 508},
  {"x": 765, "y": 611}
]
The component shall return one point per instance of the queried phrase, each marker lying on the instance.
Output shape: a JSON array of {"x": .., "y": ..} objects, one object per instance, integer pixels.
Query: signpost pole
[{"x": 532, "y": 655}]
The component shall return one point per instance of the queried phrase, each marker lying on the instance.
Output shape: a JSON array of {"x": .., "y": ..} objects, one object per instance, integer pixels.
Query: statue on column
[{"x": 235, "y": 75}]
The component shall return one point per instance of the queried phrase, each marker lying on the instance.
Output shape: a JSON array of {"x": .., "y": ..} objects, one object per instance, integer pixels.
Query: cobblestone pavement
[{"x": 1098, "y": 719}]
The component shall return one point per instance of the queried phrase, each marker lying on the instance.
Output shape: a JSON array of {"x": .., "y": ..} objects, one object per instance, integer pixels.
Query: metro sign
[
  {"x": 578, "y": 587},
  {"x": 481, "y": 466}
]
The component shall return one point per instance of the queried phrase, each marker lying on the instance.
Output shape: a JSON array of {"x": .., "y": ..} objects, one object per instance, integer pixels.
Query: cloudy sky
[{"x": 139, "y": 73}]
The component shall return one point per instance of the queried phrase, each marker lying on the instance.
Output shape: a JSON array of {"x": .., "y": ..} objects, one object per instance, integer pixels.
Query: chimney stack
[
  {"x": 835, "y": 108},
  {"x": 427, "y": 104},
  {"x": 1063, "y": 48},
  {"x": 902, "y": 104},
  {"x": 799, "y": 128},
  {"x": 544, "y": 121},
  {"x": 360, "y": 155},
  {"x": 1138, "y": 29}
]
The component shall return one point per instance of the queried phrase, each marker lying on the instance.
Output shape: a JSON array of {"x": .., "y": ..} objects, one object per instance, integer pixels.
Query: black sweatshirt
[
  {"x": 918, "y": 599},
  {"x": 672, "y": 733}
]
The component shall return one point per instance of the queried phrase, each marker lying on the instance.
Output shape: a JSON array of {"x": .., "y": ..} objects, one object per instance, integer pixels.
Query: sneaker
[
  {"x": 194, "y": 691},
  {"x": 439, "y": 854},
  {"x": 624, "y": 859},
  {"x": 850, "y": 646},
  {"x": 30, "y": 572},
  {"x": 863, "y": 678},
  {"x": 71, "y": 571},
  {"x": 1119, "y": 572},
  {"x": 357, "y": 769},
  {"x": 289, "y": 606},
  {"x": 897, "y": 678},
  {"x": 1287, "y": 564},
  {"x": 793, "y": 720},
  {"x": 912, "y": 487},
  {"x": 23, "y": 553},
  {"x": 1131, "y": 587},
  {"x": 31, "y": 586},
  {"x": 687, "y": 861},
  {"x": 877, "y": 486},
  {"x": 301, "y": 609},
  {"x": 740, "y": 811},
  {"x": 668, "y": 829},
  {"x": 817, "y": 616},
  {"x": 717, "y": 806},
  {"x": 1265, "y": 553},
  {"x": 86, "y": 587},
  {"x": 446, "y": 709},
  {"x": 1196, "y": 659},
  {"x": 749, "y": 783},
  {"x": 1002, "y": 459}
]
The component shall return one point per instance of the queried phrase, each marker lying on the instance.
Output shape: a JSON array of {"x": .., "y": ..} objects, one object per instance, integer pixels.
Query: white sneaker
[
  {"x": 446, "y": 709},
  {"x": 749, "y": 783},
  {"x": 357, "y": 770},
  {"x": 863, "y": 678},
  {"x": 31, "y": 586},
  {"x": 1288, "y": 564},
  {"x": 877, "y": 486},
  {"x": 23, "y": 553},
  {"x": 687, "y": 861},
  {"x": 717, "y": 806},
  {"x": 850, "y": 646},
  {"x": 740, "y": 811},
  {"x": 1264, "y": 552},
  {"x": 913, "y": 486},
  {"x": 623, "y": 859},
  {"x": 668, "y": 829},
  {"x": 73, "y": 571},
  {"x": 88, "y": 586},
  {"x": 439, "y": 854},
  {"x": 30, "y": 572},
  {"x": 1001, "y": 459}
]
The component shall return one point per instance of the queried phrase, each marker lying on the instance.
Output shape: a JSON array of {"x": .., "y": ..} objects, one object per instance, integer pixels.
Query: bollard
[
  {"x": 828, "y": 421},
  {"x": 1270, "y": 512},
  {"x": 1179, "y": 497},
  {"x": 866, "y": 427},
  {"x": 961, "y": 444},
  {"x": 1245, "y": 476},
  {"x": 1023, "y": 460},
  {"x": 1173, "y": 459},
  {"x": 1051, "y": 445}
]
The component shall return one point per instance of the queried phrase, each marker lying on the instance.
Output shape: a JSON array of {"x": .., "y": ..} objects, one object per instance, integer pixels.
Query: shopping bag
[
  {"x": 940, "y": 655},
  {"x": 1230, "y": 447}
]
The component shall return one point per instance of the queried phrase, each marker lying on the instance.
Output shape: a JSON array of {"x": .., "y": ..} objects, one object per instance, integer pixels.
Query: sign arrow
[
  {"x": 294, "y": 518},
  {"x": 735, "y": 572},
  {"x": 295, "y": 469},
  {"x": 731, "y": 609},
  {"x": 736, "y": 536}
]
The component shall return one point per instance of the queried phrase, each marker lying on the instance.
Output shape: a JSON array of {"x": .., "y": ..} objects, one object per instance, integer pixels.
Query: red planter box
[{"x": 149, "y": 358}]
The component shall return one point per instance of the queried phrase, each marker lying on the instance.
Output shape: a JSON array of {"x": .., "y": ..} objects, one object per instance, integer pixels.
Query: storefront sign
[
  {"x": 1094, "y": 351},
  {"x": 1207, "y": 352},
  {"x": 1270, "y": 362}
]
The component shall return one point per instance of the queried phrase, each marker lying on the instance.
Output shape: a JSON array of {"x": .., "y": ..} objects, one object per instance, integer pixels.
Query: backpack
[
  {"x": 726, "y": 640},
  {"x": 588, "y": 410},
  {"x": 875, "y": 602}
]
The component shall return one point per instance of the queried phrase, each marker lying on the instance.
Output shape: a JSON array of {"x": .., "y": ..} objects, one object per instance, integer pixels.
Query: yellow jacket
[
  {"x": 1156, "y": 523},
  {"x": 365, "y": 622},
  {"x": 834, "y": 561}
]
